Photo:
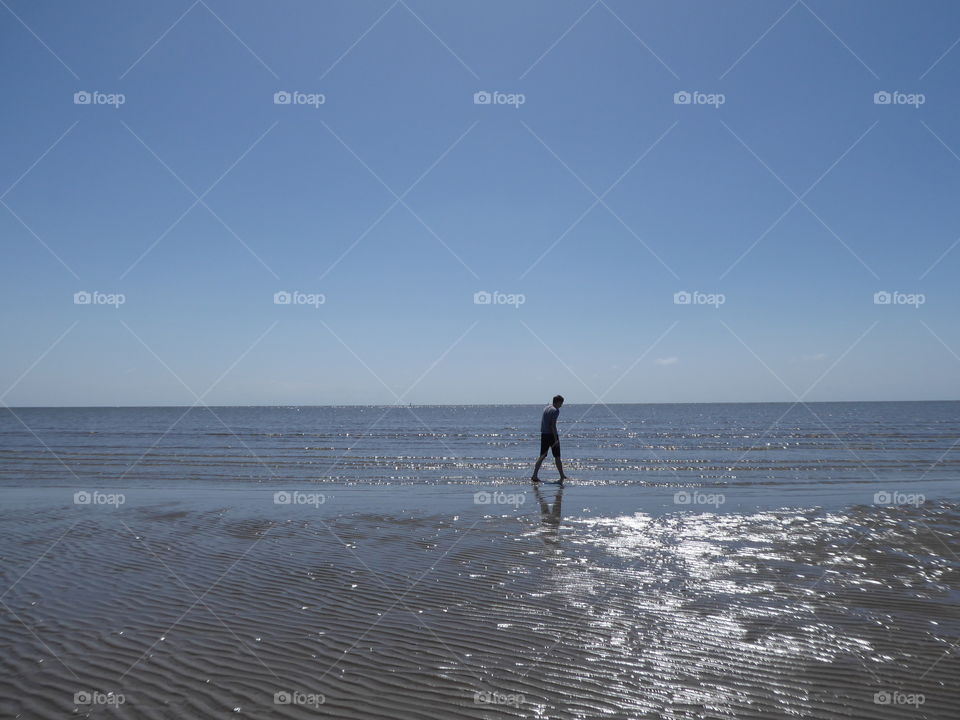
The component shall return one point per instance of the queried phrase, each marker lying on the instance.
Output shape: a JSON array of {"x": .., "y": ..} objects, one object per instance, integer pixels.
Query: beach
[
  {"x": 426, "y": 360},
  {"x": 477, "y": 598}
]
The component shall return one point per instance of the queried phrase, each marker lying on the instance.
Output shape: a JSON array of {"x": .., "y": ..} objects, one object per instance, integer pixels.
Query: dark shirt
[{"x": 548, "y": 424}]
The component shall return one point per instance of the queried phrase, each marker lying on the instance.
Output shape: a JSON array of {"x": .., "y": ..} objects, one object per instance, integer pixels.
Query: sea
[
  {"x": 771, "y": 445},
  {"x": 702, "y": 561}
]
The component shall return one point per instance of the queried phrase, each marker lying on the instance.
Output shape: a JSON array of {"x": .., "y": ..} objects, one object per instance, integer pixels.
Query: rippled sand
[{"x": 422, "y": 609}]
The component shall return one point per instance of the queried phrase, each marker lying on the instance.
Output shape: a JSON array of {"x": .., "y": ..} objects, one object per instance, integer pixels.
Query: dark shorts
[{"x": 546, "y": 443}]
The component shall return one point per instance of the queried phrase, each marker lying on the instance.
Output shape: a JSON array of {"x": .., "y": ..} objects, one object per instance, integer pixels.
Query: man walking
[{"x": 549, "y": 437}]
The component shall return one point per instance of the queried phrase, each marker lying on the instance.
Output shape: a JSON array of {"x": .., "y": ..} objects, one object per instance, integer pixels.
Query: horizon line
[{"x": 406, "y": 405}]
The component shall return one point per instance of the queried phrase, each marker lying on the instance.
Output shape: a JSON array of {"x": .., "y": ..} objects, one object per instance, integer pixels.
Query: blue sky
[{"x": 398, "y": 198}]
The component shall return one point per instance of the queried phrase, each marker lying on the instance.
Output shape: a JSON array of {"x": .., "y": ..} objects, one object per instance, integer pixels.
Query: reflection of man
[
  {"x": 551, "y": 516},
  {"x": 550, "y": 437}
]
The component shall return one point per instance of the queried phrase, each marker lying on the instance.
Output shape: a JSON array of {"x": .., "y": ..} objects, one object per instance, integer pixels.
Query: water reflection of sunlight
[{"x": 680, "y": 602}]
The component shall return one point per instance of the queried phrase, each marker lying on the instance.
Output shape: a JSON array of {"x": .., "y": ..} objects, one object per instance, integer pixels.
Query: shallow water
[
  {"x": 192, "y": 593},
  {"x": 726, "y": 444}
]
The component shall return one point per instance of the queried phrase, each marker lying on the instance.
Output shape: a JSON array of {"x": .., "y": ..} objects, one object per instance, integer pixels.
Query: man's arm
[{"x": 556, "y": 433}]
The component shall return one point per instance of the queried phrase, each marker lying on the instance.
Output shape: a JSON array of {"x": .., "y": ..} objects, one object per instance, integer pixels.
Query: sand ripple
[{"x": 205, "y": 612}]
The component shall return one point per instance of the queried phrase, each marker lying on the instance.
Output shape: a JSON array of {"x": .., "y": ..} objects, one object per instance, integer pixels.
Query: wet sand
[{"x": 418, "y": 602}]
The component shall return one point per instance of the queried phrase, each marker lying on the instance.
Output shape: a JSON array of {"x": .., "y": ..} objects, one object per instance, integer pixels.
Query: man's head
[{"x": 557, "y": 400}]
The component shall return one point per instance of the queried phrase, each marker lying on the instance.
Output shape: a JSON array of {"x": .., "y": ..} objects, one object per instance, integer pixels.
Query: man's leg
[
  {"x": 556, "y": 459},
  {"x": 536, "y": 468}
]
